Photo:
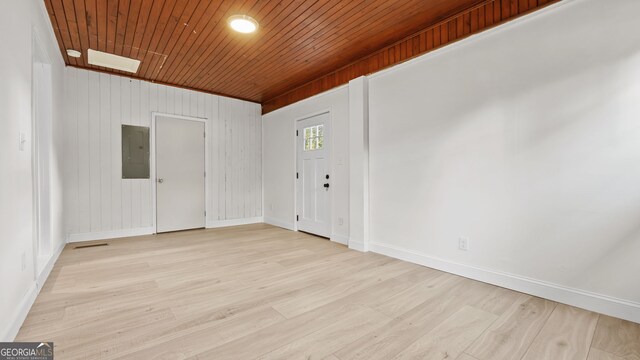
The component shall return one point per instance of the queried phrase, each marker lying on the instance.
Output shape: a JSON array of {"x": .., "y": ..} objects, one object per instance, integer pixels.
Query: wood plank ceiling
[{"x": 188, "y": 43}]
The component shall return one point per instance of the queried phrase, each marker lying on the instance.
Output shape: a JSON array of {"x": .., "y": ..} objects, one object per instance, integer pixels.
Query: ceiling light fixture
[
  {"x": 243, "y": 24},
  {"x": 74, "y": 53},
  {"x": 112, "y": 61}
]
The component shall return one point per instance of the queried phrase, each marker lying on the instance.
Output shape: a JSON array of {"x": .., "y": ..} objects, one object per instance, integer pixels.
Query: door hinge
[
  {"x": 297, "y": 176},
  {"x": 297, "y": 218},
  {"x": 205, "y": 213},
  {"x": 205, "y": 174},
  {"x": 296, "y": 132},
  {"x": 204, "y": 134}
]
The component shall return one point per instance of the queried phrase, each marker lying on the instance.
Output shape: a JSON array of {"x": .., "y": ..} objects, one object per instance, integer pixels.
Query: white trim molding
[
  {"x": 46, "y": 270},
  {"x": 359, "y": 196},
  {"x": 112, "y": 234},
  {"x": 15, "y": 324},
  {"x": 603, "y": 304},
  {"x": 279, "y": 223},
  {"x": 20, "y": 314},
  {"x": 340, "y": 239},
  {"x": 234, "y": 222},
  {"x": 357, "y": 245}
]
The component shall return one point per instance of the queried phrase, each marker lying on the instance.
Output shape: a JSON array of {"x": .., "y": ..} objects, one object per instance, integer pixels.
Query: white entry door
[
  {"x": 180, "y": 174},
  {"x": 313, "y": 179}
]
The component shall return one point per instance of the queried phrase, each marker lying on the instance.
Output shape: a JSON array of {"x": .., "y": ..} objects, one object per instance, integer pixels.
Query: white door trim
[
  {"x": 329, "y": 112},
  {"x": 40, "y": 56},
  {"x": 152, "y": 161}
]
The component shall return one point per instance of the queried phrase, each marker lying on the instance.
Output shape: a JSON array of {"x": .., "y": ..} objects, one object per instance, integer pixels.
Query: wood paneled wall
[
  {"x": 472, "y": 21},
  {"x": 97, "y": 104}
]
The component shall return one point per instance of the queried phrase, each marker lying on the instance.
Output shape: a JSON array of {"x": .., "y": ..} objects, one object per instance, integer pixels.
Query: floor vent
[{"x": 90, "y": 245}]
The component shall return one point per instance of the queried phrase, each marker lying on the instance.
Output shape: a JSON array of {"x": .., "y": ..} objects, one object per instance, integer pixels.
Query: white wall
[
  {"x": 100, "y": 204},
  {"x": 359, "y": 164},
  {"x": 19, "y": 21},
  {"x": 280, "y": 153},
  {"x": 525, "y": 140}
]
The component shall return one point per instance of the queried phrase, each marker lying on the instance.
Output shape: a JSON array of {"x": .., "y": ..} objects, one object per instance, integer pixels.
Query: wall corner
[{"x": 359, "y": 164}]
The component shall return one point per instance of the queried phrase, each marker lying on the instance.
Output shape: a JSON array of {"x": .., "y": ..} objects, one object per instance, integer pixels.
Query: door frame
[
  {"x": 328, "y": 111},
  {"x": 40, "y": 56},
  {"x": 152, "y": 162}
]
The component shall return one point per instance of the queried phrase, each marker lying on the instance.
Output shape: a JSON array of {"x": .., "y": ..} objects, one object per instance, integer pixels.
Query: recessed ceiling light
[
  {"x": 243, "y": 24},
  {"x": 99, "y": 58},
  {"x": 74, "y": 53}
]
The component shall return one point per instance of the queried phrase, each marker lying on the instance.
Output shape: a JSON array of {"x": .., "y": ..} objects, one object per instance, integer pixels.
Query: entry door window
[{"x": 314, "y": 138}]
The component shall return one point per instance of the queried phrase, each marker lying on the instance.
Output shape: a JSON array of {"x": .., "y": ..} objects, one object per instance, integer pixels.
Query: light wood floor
[{"x": 262, "y": 292}]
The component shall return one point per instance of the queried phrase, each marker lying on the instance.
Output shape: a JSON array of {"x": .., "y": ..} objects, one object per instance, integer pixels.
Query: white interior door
[
  {"x": 313, "y": 179},
  {"x": 180, "y": 174}
]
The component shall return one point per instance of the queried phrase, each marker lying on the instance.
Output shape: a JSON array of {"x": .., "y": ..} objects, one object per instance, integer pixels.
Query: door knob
[
  {"x": 160, "y": 181},
  {"x": 326, "y": 186}
]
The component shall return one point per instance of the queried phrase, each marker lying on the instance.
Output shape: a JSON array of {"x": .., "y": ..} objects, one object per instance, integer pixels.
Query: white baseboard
[
  {"x": 114, "y": 234},
  {"x": 44, "y": 274},
  {"x": 279, "y": 223},
  {"x": 20, "y": 314},
  {"x": 603, "y": 304},
  {"x": 340, "y": 239},
  {"x": 234, "y": 222},
  {"x": 111, "y": 234},
  {"x": 357, "y": 245},
  {"x": 30, "y": 297}
]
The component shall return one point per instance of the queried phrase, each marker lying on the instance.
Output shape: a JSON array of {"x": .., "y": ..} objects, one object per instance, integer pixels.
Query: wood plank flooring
[{"x": 260, "y": 292}]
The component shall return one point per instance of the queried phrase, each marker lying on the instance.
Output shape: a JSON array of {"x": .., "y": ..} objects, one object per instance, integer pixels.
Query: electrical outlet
[
  {"x": 463, "y": 244},
  {"x": 340, "y": 221},
  {"x": 24, "y": 261}
]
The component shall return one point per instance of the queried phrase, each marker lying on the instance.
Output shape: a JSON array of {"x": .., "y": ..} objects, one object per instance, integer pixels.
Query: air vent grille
[{"x": 90, "y": 246}]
